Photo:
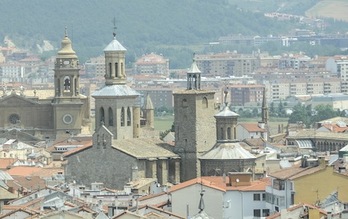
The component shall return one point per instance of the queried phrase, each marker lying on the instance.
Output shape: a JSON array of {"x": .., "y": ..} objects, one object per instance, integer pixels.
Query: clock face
[
  {"x": 67, "y": 119},
  {"x": 13, "y": 118}
]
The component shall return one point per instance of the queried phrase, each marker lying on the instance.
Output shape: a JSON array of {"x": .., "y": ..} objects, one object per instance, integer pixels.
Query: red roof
[
  {"x": 6, "y": 162},
  {"x": 252, "y": 127},
  {"x": 217, "y": 182}
]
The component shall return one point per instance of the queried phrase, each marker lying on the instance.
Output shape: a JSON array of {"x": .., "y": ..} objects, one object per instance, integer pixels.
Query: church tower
[
  {"x": 67, "y": 104},
  {"x": 194, "y": 123},
  {"x": 115, "y": 104},
  {"x": 226, "y": 122}
]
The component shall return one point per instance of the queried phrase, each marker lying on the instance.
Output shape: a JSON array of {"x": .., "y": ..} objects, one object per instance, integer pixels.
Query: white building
[{"x": 235, "y": 196}]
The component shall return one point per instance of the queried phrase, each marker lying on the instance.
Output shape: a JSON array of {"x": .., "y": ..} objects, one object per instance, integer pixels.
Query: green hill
[{"x": 174, "y": 28}]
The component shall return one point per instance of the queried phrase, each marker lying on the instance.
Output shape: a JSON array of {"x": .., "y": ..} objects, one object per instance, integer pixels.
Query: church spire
[{"x": 264, "y": 109}]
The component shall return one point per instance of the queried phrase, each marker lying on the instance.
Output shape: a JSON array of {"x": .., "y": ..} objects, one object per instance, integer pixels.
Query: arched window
[
  {"x": 229, "y": 133},
  {"x": 111, "y": 117},
  {"x": 102, "y": 115},
  {"x": 205, "y": 102},
  {"x": 67, "y": 83},
  {"x": 110, "y": 69},
  {"x": 122, "y": 117},
  {"x": 75, "y": 86},
  {"x": 116, "y": 69},
  {"x": 184, "y": 103},
  {"x": 129, "y": 117}
]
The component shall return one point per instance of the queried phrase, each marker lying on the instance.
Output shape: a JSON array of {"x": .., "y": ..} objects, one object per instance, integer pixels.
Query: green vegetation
[
  {"x": 336, "y": 9},
  {"x": 166, "y": 27},
  {"x": 297, "y": 7},
  {"x": 309, "y": 116}
]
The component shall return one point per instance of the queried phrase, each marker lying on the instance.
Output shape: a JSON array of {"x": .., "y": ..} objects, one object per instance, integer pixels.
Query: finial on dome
[
  {"x": 114, "y": 32},
  {"x": 225, "y": 96},
  {"x": 66, "y": 31}
]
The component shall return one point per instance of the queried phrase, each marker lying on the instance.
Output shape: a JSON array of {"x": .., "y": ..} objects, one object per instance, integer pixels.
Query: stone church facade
[
  {"x": 67, "y": 111},
  {"x": 123, "y": 149}
]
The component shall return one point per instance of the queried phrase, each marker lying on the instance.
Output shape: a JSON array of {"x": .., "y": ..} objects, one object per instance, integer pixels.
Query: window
[
  {"x": 111, "y": 117},
  {"x": 122, "y": 117},
  {"x": 102, "y": 115},
  {"x": 263, "y": 194},
  {"x": 257, "y": 212},
  {"x": 66, "y": 83},
  {"x": 184, "y": 103},
  {"x": 205, "y": 102},
  {"x": 116, "y": 69},
  {"x": 257, "y": 197},
  {"x": 129, "y": 117},
  {"x": 265, "y": 212}
]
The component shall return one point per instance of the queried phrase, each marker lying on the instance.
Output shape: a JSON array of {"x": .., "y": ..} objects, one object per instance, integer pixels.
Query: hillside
[
  {"x": 336, "y": 9},
  {"x": 166, "y": 27}
]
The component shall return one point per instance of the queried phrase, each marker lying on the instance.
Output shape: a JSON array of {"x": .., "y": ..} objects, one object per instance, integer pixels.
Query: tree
[
  {"x": 272, "y": 109},
  {"x": 309, "y": 116}
]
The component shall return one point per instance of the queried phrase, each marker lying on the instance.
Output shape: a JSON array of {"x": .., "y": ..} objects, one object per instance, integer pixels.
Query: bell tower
[
  {"x": 116, "y": 105},
  {"x": 194, "y": 123},
  {"x": 67, "y": 104},
  {"x": 66, "y": 72}
]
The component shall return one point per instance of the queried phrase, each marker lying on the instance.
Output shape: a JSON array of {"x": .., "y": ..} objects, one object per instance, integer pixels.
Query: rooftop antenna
[{"x": 114, "y": 32}]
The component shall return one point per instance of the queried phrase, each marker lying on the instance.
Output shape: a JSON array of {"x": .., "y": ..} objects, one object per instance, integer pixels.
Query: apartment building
[
  {"x": 160, "y": 96},
  {"x": 339, "y": 65},
  {"x": 11, "y": 72},
  {"x": 280, "y": 89},
  {"x": 95, "y": 67},
  {"x": 227, "y": 64},
  {"x": 152, "y": 64},
  {"x": 246, "y": 93},
  {"x": 294, "y": 61}
]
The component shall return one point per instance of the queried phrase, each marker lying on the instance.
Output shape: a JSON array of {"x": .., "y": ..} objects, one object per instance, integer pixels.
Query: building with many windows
[
  {"x": 152, "y": 64},
  {"x": 227, "y": 64}
]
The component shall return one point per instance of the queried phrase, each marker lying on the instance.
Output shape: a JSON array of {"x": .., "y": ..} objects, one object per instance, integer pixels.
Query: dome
[
  {"x": 226, "y": 112},
  {"x": 114, "y": 46},
  {"x": 227, "y": 151},
  {"x": 66, "y": 50}
]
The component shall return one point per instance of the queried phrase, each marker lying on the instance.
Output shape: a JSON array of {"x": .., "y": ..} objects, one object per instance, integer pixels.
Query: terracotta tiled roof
[
  {"x": 22, "y": 171},
  {"x": 217, "y": 182},
  {"x": 5, "y": 162},
  {"x": 33, "y": 171},
  {"x": 334, "y": 127},
  {"x": 76, "y": 150},
  {"x": 26, "y": 210},
  {"x": 209, "y": 183},
  {"x": 28, "y": 183},
  {"x": 295, "y": 172},
  {"x": 258, "y": 185},
  {"x": 252, "y": 127}
]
